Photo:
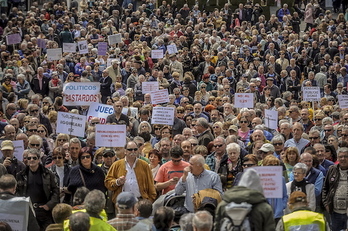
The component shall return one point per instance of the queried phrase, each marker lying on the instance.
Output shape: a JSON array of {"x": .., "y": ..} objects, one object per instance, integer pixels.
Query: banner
[
  {"x": 13, "y": 39},
  {"x": 83, "y": 46},
  {"x": 163, "y": 115},
  {"x": 54, "y": 54},
  {"x": 343, "y": 101},
  {"x": 110, "y": 135},
  {"x": 244, "y": 100},
  {"x": 157, "y": 54},
  {"x": 15, "y": 212},
  {"x": 148, "y": 87},
  {"x": 311, "y": 94},
  {"x": 271, "y": 119},
  {"x": 71, "y": 124},
  {"x": 81, "y": 93},
  {"x": 18, "y": 149},
  {"x": 99, "y": 110},
  {"x": 271, "y": 180},
  {"x": 160, "y": 96},
  {"x": 102, "y": 48},
  {"x": 69, "y": 47}
]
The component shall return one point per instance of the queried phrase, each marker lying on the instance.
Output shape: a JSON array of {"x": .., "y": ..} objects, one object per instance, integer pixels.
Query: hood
[
  {"x": 239, "y": 194},
  {"x": 250, "y": 179}
]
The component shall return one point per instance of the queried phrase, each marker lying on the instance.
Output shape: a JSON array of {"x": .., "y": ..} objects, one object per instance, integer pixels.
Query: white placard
[
  {"x": 148, "y": 87},
  {"x": 110, "y": 135},
  {"x": 125, "y": 111},
  {"x": 71, "y": 124},
  {"x": 343, "y": 101},
  {"x": 311, "y": 94},
  {"x": 244, "y": 100},
  {"x": 83, "y": 46},
  {"x": 18, "y": 149},
  {"x": 100, "y": 110},
  {"x": 157, "y": 54},
  {"x": 163, "y": 115},
  {"x": 271, "y": 180},
  {"x": 81, "y": 93},
  {"x": 172, "y": 49},
  {"x": 15, "y": 212},
  {"x": 69, "y": 47},
  {"x": 54, "y": 54},
  {"x": 134, "y": 112},
  {"x": 115, "y": 38},
  {"x": 271, "y": 119},
  {"x": 160, "y": 96}
]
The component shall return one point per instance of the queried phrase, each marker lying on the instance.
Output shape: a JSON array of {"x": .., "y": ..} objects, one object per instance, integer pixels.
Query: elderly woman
[
  {"x": 23, "y": 87},
  {"x": 217, "y": 129},
  {"x": 144, "y": 126},
  {"x": 291, "y": 158},
  {"x": 301, "y": 184},
  {"x": 230, "y": 166},
  {"x": 86, "y": 173}
]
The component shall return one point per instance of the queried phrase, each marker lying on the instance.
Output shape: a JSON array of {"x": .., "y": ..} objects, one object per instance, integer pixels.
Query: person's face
[
  {"x": 292, "y": 156},
  {"x": 32, "y": 130},
  {"x": 132, "y": 151},
  {"x": 154, "y": 160},
  {"x": 7, "y": 153},
  {"x": 186, "y": 147},
  {"x": 10, "y": 133},
  {"x": 244, "y": 123},
  {"x": 33, "y": 160},
  {"x": 257, "y": 135},
  {"x": 328, "y": 129},
  {"x": 214, "y": 116},
  {"x": 343, "y": 160},
  {"x": 118, "y": 107},
  {"x": 304, "y": 114},
  {"x": 41, "y": 132},
  {"x": 187, "y": 134},
  {"x": 278, "y": 146},
  {"x": 165, "y": 147},
  {"x": 74, "y": 150},
  {"x": 255, "y": 122},
  {"x": 318, "y": 121},
  {"x": 307, "y": 160},
  {"x": 299, "y": 175},
  {"x": 108, "y": 159},
  {"x": 314, "y": 138},
  {"x": 233, "y": 155},
  {"x": 285, "y": 129},
  {"x": 248, "y": 164},
  {"x": 197, "y": 109},
  {"x": 227, "y": 110},
  {"x": 297, "y": 131},
  {"x": 165, "y": 133},
  {"x": 58, "y": 159},
  {"x": 332, "y": 141},
  {"x": 61, "y": 141},
  {"x": 220, "y": 147},
  {"x": 34, "y": 111},
  {"x": 86, "y": 160},
  {"x": 320, "y": 152}
]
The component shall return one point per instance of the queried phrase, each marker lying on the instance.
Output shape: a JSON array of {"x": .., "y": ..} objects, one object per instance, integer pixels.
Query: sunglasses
[
  {"x": 314, "y": 138},
  {"x": 132, "y": 149},
  {"x": 27, "y": 121},
  {"x": 157, "y": 129},
  {"x": 34, "y": 111},
  {"x": 243, "y": 122},
  {"x": 34, "y": 158},
  {"x": 57, "y": 157},
  {"x": 108, "y": 155},
  {"x": 194, "y": 144},
  {"x": 94, "y": 123},
  {"x": 329, "y": 130},
  {"x": 317, "y": 119},
  {"x": 40, "y": 131},
  {"x": 218, "y": 146},
  {"x": 61, "y": 140},
  {"x": 32, "y": 130},
  {"x": 85, "y": 157},
  {"x": 278, "y": 144},
  {"x": 35, "y": 145}
]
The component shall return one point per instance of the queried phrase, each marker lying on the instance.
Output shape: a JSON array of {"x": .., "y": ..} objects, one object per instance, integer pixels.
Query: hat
[
  {"x": 270, "y": 78},
  {"x": 111, "y": 151},
  {"x": 233, "y": 127},
  {"x": 258, "y": 79},
  {"x": 267, "y": 148},
  {"x": 138, "y": 62},
  {"x": 7, "y": 145},
  {"x": 172, "y": 55},
  {"x": 126, "y": 200},
  {"x": 297, "y": 196},
  {"x": 321, "y": 14}
]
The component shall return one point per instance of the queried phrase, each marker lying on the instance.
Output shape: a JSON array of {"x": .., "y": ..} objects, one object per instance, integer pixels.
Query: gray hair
[
  {"x": 139, "y": 138},
  {"x": 35, "y": 138},
  {"x": 202, "y": 220},
  {"x": 200, "y": 160},
  {"x": 342, "y": 149},
  {"x": 34, "y": 151},
  {"x": 327, "y": 119},
  {"x": 75, "y": 140},
  {"x": 95, "y": 201},
  {"x": 301, "y": 166},
  {"x": 234, "y": 147},
  {"x": 278, "y": 138},
  {"x": 79, "y": 221},
  {"x": 144, "y": 123},
  {"x": 20, "y": 76},
  {"x": 186, "y": 222},
  {"x": 203, "y": 122}
]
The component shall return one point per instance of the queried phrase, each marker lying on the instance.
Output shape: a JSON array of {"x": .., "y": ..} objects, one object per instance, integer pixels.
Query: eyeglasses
[
  {"x": 248, "y": 165},
  {"x": 32, "y": 130},
  {"x": 108, "y": 155},
  {"x": 194, "y": 144},
  {"x": 85, "y": 157},
  {"x": 94, "y": 123},
  {"x": 345, "y": 135},
  {"x": 34, "y": 158},
  {"x": 132, "y": 149},
  {"x": 27, "y": 121},
  {"x": 318, "y": 119},
  {"x": 185, "y": 102},
  {"x": 218, "y": 146},
  {"x": 34, "y": 110},
  {"x": 36, "y": 145},
  {"x": 243, "y": 122},
  {"x": 277, "y": 144},
  {"x": 57, "y": 157},
  {"x": 180, "y": 111},
  {"x": 176, "y": 161},
  {"x": 62, "y": 140},
  {"x": 40, "y": 131},
  {"x": 328, "y": 130},
  {"x": 343, "y": 157},
  {"x": 314, "y": 137},
  {"x": 157, "y": 129}
]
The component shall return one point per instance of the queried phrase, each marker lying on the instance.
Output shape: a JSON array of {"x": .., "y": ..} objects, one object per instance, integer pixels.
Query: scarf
[
  {"x": 7, "y": 87},
  {"x": 55, "y": 82},
  {"x": 299, "y": 186}
]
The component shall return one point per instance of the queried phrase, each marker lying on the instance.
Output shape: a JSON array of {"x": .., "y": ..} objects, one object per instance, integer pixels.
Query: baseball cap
[
  {"x": 7, "y": 145},
  {"x": 126, "y": 200},
  {"x": 267, "y": 148},
  {"x": 107, "y": 151},
  {"x": 233, "y": 127}
]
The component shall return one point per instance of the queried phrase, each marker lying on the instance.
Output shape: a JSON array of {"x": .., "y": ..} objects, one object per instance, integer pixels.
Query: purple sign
[
  {"x": 13, "y": 39},
  {"x": 102, "y": 48},
  {"x": 41, "y": 43}
]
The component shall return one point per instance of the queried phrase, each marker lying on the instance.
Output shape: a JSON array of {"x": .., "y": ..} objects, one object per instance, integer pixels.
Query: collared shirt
[
  {"x": 193, "y": 184},
  {"x": 123, "y": 222},
  {"x": 299, "y": 145},
  {"x": 131, "y": 184}
]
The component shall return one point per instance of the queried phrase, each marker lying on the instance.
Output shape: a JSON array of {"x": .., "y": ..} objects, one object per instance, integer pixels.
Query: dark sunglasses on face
[
  {"x": 61, "y": 140},
  {"x": 32, "y": 111},
  {"x": 248, "y": 165},
  {"x": 85, "y": 157},
  {"x": 108, "y": 155},
  {"x": 57, "y": 158},
  {"x": 40, "y": 131},
  {"x": 218, "y": 146},
  {"x": 32, "y": 130},
  {"x": 35, "y": 145},
  {"x": 278, "y": 144},
  {"x": 34, "y": 158},
  {"x": 132, "y": 149}
]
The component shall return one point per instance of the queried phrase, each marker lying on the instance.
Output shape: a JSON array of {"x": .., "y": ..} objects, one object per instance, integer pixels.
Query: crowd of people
[{"x": 211, "y": 145}]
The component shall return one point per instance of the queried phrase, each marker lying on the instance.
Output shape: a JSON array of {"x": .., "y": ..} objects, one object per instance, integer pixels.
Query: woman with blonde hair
[
  {"x": 217, "y": 129},
  {"x": 61, "y": 139}
]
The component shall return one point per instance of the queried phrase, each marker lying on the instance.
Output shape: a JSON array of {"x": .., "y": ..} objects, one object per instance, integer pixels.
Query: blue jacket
[{"x": 279, "y": 204}]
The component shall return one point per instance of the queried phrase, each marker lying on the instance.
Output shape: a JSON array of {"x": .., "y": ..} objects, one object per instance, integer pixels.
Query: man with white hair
[
  {"x": 114, "y": 69},
  {"x": 202, "y": 221}
]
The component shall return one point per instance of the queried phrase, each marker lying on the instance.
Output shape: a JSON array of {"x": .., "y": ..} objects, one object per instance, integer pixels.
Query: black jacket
[{"x": 35, "y": 86}]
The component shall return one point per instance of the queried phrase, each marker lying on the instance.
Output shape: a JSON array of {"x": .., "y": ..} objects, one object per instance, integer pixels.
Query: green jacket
[{"x": 261, "y": 216}]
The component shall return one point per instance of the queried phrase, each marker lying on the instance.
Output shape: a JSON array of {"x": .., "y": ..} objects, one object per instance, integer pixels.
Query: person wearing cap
[
  {"x": 10, "y": 162},
  {"x": 301, "y": 216},
  {"x": 125, "y": 219},
  {"x": 114, "y": 69},
  {"x": 265, "y": 150}
]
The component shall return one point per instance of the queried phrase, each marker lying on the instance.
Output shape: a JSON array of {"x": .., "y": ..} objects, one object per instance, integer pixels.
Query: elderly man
[
  {"x": 74, "y": 149},
  {"x": 196, "y": 178},
  {"x": 105, "y": 85},
  {"x": 186, "y": 147},
  {"x": 297, "y": 141},
  {"x": 9, "y": 133},
  {"x": 219, "y": 155},
  {"x": 204, "y": 132},
  {"x": 33, "y": 111},
  {"x": 114, "y": 69},
  {"x": 320, "y": 149},
  {"x": 202, "y": 221},
  {"x": 131, "y": 175},
  {"x": 12, "y": 164}
]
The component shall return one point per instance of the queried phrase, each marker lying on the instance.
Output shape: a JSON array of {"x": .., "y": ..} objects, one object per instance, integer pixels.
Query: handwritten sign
[
  {"x": 343, "y": 101},
  {"x": 54, "y": 54},
  {"x": 13, "y": 39},
  {"x": 160, "y": 96},
  {"x": 271, "y": 180},
  {"x": 41, "y": 43},
  {"x": 99, "y": 110},
  {"x": 18, "y": 149},
  {"x": 72, "y": 124},
  {"x": 271, "y": 119},
  {"x": 83, "y": 46},
  {"x": 172, "y": 49},
  {"x": 311, "y": 94},
  {"x": 157, "y": 54},
  {"x": 69, "y": 47},
  {"x": 163, "y": 115},
  {"x": 110, "y": 135},
  {"x": 102, "y": 48},
  {"x": 115, "y": 38},
  {"x": 81, "y": 93},
  {"x": 15, "y": 212},
  {"x": 148, "y": 87},
  {"x": 244, "y": 100}
]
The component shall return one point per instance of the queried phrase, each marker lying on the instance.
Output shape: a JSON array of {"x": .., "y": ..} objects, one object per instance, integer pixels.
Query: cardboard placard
[
  {"x": 81, "y": 93},
  {"x": 163, "y": 115},
  {"x": 110, "y": 135},
  {"x": 72, "y": 124}
]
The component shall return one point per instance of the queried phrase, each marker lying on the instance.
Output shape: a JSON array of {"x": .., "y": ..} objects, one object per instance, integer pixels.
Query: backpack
[
  {"x": 236, "y": 217},
  {"x": 206, "y": 199}
]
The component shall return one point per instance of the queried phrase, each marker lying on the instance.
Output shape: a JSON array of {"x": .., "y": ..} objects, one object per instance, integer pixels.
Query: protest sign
[
  {"x": 134, "y": 112},
  {"x": 81, "y": 93},
  {"x": 148, "y": 87},
  {"x": 54, "y": 54},
  {"x": 271, "y": 180},
  {"x": 15, "y": 212},
  {"x": 115, "y": 38},
  {"x": 102, "y": 48},
  {"x": 13, "y": 39},
  {"x": 343, "y": 101},
  {"x": 41, "y": 43},
  {"x": 83, "y": 46},
  {"x": 242, "y": 100},
  {"x": 18, "y": 149},
  {"x": 110, "y": 135},
  {"x": 163, "y": 115},
  {"x": 271, "y": 119},
  {"x": 99, "y": 110},
  {"x": 311, "y": 94},
  {"x": 72, "y": 124},
  {"x": 157, "y": 54},
  {"x": 172, "y": 49},
  {"x": 69, "y": 47},
  {"x": 159, "y": 96}
]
